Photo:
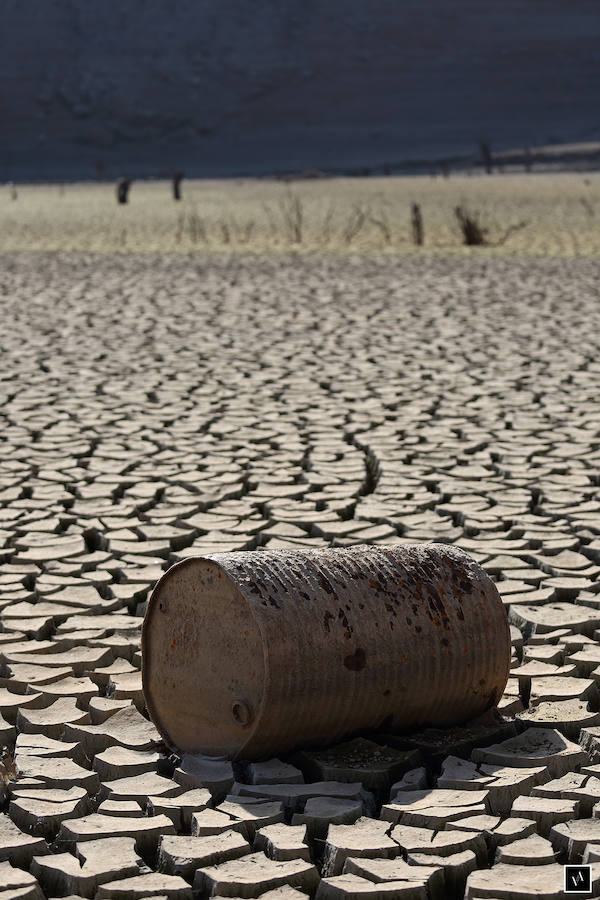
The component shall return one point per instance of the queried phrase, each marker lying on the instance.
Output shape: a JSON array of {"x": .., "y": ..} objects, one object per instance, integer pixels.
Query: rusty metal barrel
[{"x": 249, "y": 654}]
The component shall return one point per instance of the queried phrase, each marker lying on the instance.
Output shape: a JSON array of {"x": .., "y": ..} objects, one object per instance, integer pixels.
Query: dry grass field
[
  {"x": 269, "y": 366},
  {"x": 544, "y": 215}
]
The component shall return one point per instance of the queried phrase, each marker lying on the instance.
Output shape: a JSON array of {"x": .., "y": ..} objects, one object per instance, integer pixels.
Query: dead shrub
[{"x": 475, "y": 235}]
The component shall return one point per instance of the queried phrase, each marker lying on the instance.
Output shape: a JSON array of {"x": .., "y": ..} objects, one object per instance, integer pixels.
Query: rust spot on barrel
[
  {"x": 356, "y": 661},
  {"x": 325, "y": 584}
]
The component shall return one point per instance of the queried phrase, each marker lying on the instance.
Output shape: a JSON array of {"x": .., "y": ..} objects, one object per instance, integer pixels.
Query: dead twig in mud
[
  {"x": 176, "y": 184},
  {"x": 355, "y": 223},
  {"x": 292, "y": 214},
  {"x": 381, "y": 222},
  {"x": 123, "y": 186},
  {"x": 416, "y": 221},
  {"x": 327, "y": 224},
  {"x": 511, "y": 230},
  {"x": 485, "y": 150},
  {"x": 271, "y": 220}
]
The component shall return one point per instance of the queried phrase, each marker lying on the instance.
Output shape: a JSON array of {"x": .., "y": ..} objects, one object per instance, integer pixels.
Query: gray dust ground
[{"x": 153, "y": 408}]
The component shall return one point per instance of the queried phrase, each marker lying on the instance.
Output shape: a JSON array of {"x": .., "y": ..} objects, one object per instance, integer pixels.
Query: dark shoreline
[{"x": 560, "y": 158}]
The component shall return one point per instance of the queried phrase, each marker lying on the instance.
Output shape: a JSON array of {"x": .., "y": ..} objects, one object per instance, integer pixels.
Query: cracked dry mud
[{"x": 154, "y": 408}]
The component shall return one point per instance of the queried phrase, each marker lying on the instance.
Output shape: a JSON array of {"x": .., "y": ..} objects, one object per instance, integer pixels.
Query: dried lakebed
[{"x": 157, "y": 408}]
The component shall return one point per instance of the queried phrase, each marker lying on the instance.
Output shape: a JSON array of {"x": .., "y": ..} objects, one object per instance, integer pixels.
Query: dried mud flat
[{"x": 157, "y": 407}]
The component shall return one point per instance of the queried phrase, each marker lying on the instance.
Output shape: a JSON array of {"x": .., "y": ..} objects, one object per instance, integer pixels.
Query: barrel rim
[{"x": 190, "y": 561}]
